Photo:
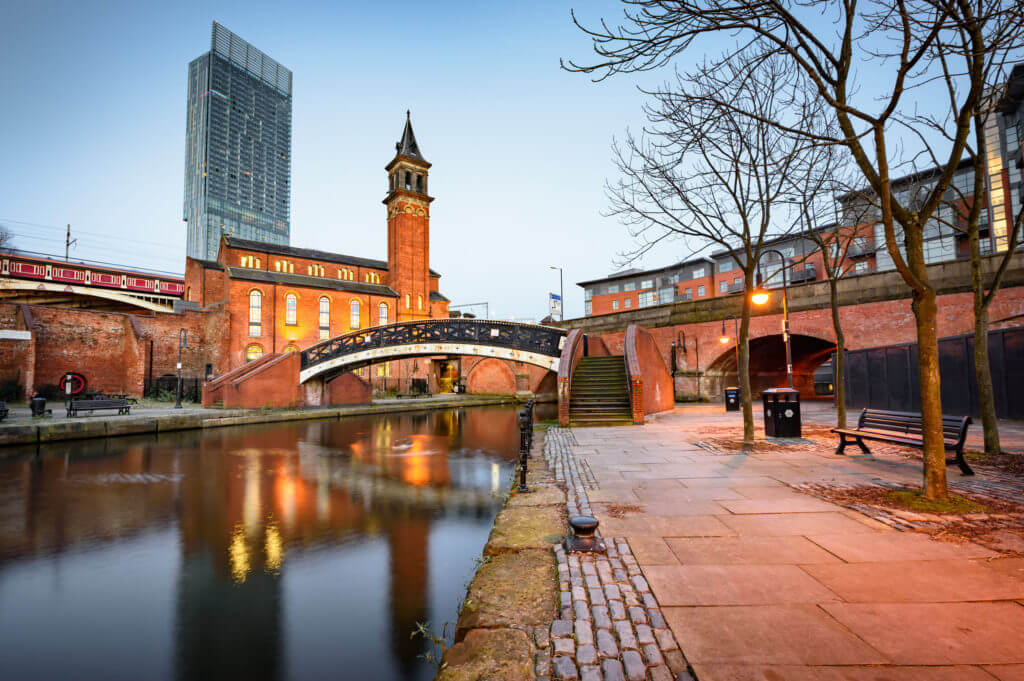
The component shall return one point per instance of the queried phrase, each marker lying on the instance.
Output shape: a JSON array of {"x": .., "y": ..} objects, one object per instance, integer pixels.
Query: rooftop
[{"x": 308, "y": 253}]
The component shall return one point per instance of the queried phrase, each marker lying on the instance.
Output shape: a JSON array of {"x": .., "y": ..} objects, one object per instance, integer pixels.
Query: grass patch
[{"x": 914, "y": 500}]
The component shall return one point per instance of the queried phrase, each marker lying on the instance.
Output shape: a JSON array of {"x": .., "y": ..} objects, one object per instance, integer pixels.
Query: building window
[
  {"x": 629, "y": 286},
  {"x": 408, "y": 305},
  {"x": 647, "y": 283},
  {"x": 723, "y": 286},
  {"x": 689, "y": 293},
  {"x": 291, "y": 309},
  {"x": 382, "y": 314},
  {"x": 255, "y": 314},
  {"x": 384, "y": 370},
  {"x": 615, "y": 305},
  {"x": 291, "y": 347},
  {"x": 353, "y": 316},
  {"x": 419, "y": 183},
  {"x": 698, "y": 273},
  {"x": 738, "y": 280},
  {"x": 613, "y": 288},
  {"x": 666, "y": 295},
  {"x": 627, "y": 303},
  {"x": 588, "y": 294},
  {"x": 700, "y": 291},
  {"x": 860, "y": 267},
  {"x": 419, "y": 302},
  {"x": 647, "y": 298},
  {"x": 588, "y": 308},
  {"x": 408, "y": 180},
  {"x": 325, "y": 318},
  {"x": 253, "y": 352}
]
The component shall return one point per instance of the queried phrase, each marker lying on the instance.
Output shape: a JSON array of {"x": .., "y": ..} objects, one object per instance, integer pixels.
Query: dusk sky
[{"x": 94, "y": 133}]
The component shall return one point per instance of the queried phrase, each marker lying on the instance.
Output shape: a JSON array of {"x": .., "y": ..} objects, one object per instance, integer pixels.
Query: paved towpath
[{"x": 760, "y": 582}]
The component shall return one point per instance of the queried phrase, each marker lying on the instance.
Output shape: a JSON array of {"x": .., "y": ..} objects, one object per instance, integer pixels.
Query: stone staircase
[{"x": 599, "y": 395}]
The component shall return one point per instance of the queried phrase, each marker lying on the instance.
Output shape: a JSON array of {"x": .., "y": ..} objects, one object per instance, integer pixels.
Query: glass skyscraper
[{"x": 238, "y": 146}]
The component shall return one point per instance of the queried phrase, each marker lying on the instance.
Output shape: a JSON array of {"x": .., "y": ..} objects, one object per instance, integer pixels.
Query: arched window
[
  {"x": 353, "y": 321},
  {"x": 408, "y": 305},
  {"x": 419, "y": 302},
  {"x": 408, "y": 180},
  {"x": 325, "y": 318},
  {"x": 255, "y": 314},
  {"x": 253, "y": 352},
  {"x": 382, "y": 313},
  {"x": 291, "y": 309},
  {"x": 291, "y": 348},
  {"x": 419, "y": 183}
]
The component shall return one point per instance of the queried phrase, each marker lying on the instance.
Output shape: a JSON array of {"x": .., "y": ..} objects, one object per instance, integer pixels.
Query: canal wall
[
  {"x": 503, "y": 628},
  {"x": 37, "y": 432}
]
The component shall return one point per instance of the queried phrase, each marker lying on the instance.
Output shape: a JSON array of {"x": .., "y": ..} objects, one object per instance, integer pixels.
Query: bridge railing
[{"x": 544, "y": 340}]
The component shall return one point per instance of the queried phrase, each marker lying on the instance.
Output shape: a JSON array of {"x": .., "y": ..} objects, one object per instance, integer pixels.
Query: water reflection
[{"x": 305, "y": 550}]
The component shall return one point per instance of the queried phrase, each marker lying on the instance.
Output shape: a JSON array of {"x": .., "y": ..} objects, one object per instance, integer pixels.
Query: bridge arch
[
  {"x": 528, "y": 343},
  {"x": 768, "y": 363}
]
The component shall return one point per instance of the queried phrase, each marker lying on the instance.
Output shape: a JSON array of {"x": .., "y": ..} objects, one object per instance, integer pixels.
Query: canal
[{"x": 307, "y": 550}]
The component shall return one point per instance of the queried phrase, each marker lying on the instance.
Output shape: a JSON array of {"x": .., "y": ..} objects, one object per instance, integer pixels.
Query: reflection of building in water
[{"x": 245, "y": 499}]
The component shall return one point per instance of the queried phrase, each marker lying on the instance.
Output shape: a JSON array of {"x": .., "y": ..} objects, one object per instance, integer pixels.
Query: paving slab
[
  {"x": 680, "y": 507},
  {"x": 769, "y": 634},
  {"x": 734, "y": 585},
  {"x": 777, "y": 524},
  {"x": 931, "y": 581},
  {"x": 800, "y": 504},
  {"x": 1006, "y": 672},
  {"x": 885, "y": 546},
  {"x": 938, "y": 633},
  {"x": 665, "y": 526},
  {"x": 715, "y": 672},
  {"x": 652, "y": 551},
  {"x": 747, "y": 551}
]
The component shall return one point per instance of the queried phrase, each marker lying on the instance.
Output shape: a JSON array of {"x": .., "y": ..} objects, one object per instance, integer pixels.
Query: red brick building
[{"x": 284, "y": 299}]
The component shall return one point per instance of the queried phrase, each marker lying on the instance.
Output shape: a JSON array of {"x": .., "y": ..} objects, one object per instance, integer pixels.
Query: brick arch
[
  {"x": 491, "y": 376},
  {"x": 768, "y": 363}
]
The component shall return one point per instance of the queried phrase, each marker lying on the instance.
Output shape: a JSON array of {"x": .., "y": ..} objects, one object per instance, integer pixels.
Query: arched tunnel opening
[{"x": 768, "y": 364}]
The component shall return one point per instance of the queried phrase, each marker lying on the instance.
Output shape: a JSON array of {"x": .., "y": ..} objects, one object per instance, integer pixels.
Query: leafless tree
[
  {"x": 5, "y": 237},
  {"x": 702, "y": 173},
  {"x": 830, "y": 42}
]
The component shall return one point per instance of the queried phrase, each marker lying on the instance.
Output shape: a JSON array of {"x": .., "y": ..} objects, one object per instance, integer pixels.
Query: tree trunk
[
  {"x": 925, "y": 313},
  {"x": 743, "y": 370},
  {"x": 982, "y": 371},
  {"x": 840, "y": 363}
]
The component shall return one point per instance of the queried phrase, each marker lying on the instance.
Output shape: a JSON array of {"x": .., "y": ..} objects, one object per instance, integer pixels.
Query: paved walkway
[{"x": 759, "y": 582}]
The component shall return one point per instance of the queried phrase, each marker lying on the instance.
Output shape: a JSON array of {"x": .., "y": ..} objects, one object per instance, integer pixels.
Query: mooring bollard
[
  {"x": 583, "y": 539},
  {"x": 524, "y": 450},
  {"x": 525, "y": 433},
  {"x": 529, "y": 438}
]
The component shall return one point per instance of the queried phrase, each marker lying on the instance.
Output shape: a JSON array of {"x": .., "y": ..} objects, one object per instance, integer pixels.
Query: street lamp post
[
  {"x": 762, "y": 296},
  {"x": 182, "y": 344},
  {"x": 561, "y": 292}
]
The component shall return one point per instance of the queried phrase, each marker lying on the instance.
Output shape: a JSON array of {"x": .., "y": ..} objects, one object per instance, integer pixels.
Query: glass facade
[{"x": 237, "y": 147}]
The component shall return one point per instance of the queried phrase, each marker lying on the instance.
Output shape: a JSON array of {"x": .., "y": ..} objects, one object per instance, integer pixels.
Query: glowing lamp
[
  {"x": 724, "y": 340},
  {"x": 760, "y": 297}
]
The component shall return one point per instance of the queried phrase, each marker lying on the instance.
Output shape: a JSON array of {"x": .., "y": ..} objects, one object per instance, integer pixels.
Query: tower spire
[{"x": 407, "y": 146}]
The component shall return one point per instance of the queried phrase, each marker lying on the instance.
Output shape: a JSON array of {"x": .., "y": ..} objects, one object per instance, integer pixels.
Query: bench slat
[{"x": 905, "y": 428}]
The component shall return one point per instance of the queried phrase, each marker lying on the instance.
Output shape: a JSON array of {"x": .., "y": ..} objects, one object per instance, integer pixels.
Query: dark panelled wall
[{"x": 886, "y": 378}]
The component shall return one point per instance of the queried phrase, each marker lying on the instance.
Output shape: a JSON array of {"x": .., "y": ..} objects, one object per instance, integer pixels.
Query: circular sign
[
  {"x": 788, "y": 413},
  {"x": 77, "y": 381}
]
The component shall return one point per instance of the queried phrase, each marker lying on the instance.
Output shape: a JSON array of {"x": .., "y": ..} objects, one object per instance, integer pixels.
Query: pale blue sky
[{"x": 94, "y": 118}]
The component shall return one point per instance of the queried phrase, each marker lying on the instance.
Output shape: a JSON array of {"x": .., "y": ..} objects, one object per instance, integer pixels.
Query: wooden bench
[
  {"x": 904, "y": 428},
  {"x": 118, "y": 403}
]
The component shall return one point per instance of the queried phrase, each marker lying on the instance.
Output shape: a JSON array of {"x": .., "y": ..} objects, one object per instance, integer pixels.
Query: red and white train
[{"x": 17, "y": 266}]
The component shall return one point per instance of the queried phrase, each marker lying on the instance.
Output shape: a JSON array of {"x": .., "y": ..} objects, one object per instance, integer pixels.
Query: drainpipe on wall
[{"x": 273, "y": 325}]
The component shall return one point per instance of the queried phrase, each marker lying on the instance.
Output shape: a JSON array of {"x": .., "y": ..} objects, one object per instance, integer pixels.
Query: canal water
[{"x": 306, "y": 550}]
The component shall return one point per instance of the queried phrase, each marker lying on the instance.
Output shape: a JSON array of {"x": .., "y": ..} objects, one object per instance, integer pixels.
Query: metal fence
[{"x": 887, "y": 377}]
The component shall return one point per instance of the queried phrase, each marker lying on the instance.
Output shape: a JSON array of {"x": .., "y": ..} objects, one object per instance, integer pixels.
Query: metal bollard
[{"x": 524, "y": 451}]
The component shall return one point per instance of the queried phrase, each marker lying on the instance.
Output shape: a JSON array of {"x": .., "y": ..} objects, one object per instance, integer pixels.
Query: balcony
[
  {"x": 735, "y": 288},
  {"x": 802, "y": 275},
  {"x": 860, "y": 250}
]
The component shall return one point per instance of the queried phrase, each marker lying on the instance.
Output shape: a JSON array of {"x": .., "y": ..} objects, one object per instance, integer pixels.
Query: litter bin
[
  {"x": 781, "y": 412},
  {"x": 38, "y": 406},
  {"x": 732, "y": 399}
]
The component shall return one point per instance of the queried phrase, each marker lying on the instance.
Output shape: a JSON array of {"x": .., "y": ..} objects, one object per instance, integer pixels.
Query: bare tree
[
  {"x": 5, "y": 237},
  {"x": 702, "y": 173},
  {"x": 829, "y": 42}
]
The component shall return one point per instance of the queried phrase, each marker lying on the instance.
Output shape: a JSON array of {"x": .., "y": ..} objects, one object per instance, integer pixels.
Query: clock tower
[{"x": 408, "y": 206}]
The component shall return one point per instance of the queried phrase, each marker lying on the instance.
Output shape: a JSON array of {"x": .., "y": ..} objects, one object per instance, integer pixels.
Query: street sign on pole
[{"x": 555, "y": 304}]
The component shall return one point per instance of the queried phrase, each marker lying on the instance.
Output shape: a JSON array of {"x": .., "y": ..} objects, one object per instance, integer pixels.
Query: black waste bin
[
  {"x": 781, "y": 412},
  {"x": 732, "y": 399},
  {"x": 38, "y": 406}
]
